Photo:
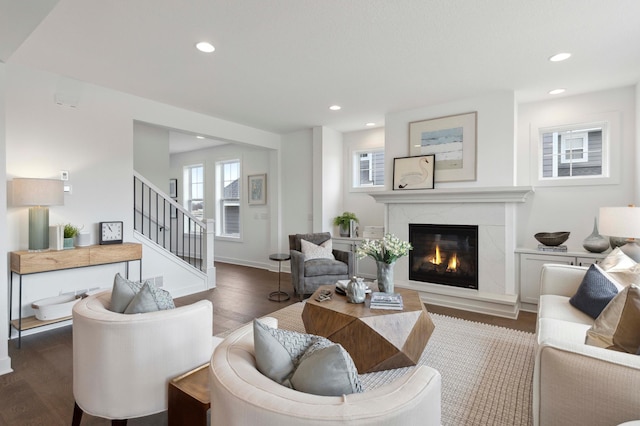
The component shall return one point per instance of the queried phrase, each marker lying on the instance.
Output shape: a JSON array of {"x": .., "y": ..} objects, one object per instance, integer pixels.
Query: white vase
[{"x": 385, "y": 276}]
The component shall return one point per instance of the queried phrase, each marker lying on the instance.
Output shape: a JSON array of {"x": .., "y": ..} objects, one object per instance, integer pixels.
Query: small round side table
[{"x": 279, "y": 296}]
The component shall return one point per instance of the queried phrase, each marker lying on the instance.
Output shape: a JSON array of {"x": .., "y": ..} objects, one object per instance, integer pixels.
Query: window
[
  {"x": 573, "y": 152},
  {"x": 194, "y": 190},
  {"x": 368, "y": 169},
  {"x": 228, "y": 196}
]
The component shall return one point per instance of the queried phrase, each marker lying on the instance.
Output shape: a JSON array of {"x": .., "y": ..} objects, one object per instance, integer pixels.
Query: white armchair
[{"x": 122, "y": 363}]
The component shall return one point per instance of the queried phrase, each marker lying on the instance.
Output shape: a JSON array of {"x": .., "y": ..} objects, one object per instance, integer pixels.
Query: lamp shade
[
  {"x": 38, "y": 192},
  {"x": 620, "y": 221}
]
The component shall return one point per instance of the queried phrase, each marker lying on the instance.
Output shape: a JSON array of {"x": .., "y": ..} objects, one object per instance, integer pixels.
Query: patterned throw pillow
[
  {"x": 326, "y": 369},
  {"x": 313, "y": 251},
  {"x": 617, "y": 326},
  {"x": 150, "y": 298},
  {"x": 277, "y": 351},
  {"x": 122, "y": 293},
  {"x": 595, "y": 291},
  {"x": 304, "y": 362}
]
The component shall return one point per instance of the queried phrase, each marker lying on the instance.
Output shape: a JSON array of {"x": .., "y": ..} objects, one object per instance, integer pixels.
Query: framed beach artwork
[
  {"x": 452, "y": 139},
  {"x": 258, "y": 189},
  {"x": 414, "y": 172}
]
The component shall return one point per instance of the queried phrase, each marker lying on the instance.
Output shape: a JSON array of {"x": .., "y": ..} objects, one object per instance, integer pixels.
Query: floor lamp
[
  {"x": 38, "y": 194},
  {"x": 622, "y": 225}
]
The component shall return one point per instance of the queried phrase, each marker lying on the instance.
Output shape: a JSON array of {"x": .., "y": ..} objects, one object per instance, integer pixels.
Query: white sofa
[
  {"x": 241, "y": 395},
  {"x": 575, "y": 383}
]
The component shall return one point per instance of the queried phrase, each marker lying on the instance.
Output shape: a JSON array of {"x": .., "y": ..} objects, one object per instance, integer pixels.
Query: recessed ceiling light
[
  {"x": 205, "y": 47},
  {"x": 560, "y": 57},
  {"x": 557, "y": 91},
  {"x": 335, "y": 107},
  {"x": 370, "y": 124},
  {"x": 199, "y": 137}
]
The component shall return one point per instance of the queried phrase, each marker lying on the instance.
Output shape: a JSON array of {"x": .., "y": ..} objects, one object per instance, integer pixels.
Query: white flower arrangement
[{"x": 387, "y": 250}]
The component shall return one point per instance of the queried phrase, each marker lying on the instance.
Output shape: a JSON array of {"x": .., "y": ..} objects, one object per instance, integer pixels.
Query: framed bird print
[
  {"x": 414, "y": 172},
  {"x": 452, "y": 139}
]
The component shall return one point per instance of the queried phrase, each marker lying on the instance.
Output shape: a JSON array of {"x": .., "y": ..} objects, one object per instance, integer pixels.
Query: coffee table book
[{"x": 381, "y": 300}]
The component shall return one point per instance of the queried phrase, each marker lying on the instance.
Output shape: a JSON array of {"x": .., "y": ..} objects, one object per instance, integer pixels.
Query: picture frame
[
  {"x": 173, "y": 188},
  {"x": 416, "y": 172},
  {"x": 174, "y": 210},
  {"x": 257, "y": 189},
  {"x": 453, "y": 139}
]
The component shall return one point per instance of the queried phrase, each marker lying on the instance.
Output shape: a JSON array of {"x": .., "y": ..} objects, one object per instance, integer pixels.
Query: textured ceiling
[{"x": 279, "y": 64}]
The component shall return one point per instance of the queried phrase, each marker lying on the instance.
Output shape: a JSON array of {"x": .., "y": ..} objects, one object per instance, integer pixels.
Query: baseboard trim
[
  {"x": 499, "y": 305},
  {"x": 5, "y": 366}
]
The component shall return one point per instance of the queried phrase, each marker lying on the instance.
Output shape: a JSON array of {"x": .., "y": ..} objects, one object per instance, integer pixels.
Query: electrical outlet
[{"x": 64, "y": 175}]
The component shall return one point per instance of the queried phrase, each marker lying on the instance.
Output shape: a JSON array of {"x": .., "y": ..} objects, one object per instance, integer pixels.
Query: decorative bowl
[{"x": 552, "y": 238}]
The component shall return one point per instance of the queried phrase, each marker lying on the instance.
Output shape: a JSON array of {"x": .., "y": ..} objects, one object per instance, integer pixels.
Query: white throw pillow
[
  {"x": 621, "y": 267},
  {"x": 313, "y": 251}
]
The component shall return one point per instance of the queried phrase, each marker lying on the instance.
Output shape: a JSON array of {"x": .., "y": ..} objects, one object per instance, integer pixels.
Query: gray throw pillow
[
  {"x": 277, "y": 351},
  {"x": 122, "y": 293},
  {"x": 326, "y": 369},
  {"x": 150, "y": 298},
  {"x": 595, "y": 292}
]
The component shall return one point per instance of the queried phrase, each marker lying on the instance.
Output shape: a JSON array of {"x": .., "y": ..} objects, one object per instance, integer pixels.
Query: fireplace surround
[{"x": 493, "y": 211}]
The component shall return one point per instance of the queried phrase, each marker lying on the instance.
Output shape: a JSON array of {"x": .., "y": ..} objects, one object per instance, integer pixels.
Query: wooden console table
[{"x": 26, "y": 262}]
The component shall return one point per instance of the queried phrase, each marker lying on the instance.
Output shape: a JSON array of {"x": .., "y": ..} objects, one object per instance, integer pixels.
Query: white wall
[
  {"x": 297, "y": 183},
  {"x": 94, "y": 142},
  {"x": 358, "y": 201},
  {"x": 5, "y": 361},
  {"x": 495, "y": 137},
  {"x": 637, "y": 145},
  {"x": 151, "y": 154},
  {"x": 328, "y": 178},
  {"x": 573, "y": 208},
  {"x": 253, "y": 248}
]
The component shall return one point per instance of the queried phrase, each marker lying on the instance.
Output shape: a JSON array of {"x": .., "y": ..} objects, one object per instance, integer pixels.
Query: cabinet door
[
  {"x": 587, "y": 261},
  {"x": 530, "y": 270}
]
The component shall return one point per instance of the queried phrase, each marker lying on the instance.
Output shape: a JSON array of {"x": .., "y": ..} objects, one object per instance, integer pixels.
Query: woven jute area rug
[{"x": 487, "y": 371}]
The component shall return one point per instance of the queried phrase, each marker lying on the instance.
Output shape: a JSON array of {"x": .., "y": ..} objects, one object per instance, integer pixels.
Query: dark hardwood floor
[{"x": 39, "y": 391}]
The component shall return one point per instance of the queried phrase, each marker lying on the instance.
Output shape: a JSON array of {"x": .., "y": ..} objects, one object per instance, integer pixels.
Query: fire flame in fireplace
[
  {"x": 453, "y": 263},
  {"x": 452, "y": 266},
  {"x": 436, "y": 259}
]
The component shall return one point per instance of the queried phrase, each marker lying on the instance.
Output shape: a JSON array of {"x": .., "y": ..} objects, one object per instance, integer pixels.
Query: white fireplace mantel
[
  {"x": 492, "y": 209},
  {"x": 505, "y": 194}
]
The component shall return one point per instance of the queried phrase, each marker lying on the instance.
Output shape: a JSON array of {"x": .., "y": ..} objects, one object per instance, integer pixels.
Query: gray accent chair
[{"x": 307, "y": 276}]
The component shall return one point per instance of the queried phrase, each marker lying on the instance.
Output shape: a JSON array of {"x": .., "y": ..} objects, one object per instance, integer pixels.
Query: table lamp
[
  {"x": 622, "y": 225},
  {"x": 38, "y": 194}
]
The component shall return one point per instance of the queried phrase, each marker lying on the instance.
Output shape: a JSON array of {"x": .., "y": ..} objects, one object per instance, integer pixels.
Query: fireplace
[{"x": 444, "y": 254}]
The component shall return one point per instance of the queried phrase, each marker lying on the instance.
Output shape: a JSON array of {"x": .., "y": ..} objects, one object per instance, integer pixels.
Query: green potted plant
[
  {"x": 69, "y": 234},
  {"x": 343, "y": 222}
]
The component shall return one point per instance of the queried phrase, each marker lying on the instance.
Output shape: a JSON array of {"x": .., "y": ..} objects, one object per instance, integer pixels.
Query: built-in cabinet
[
  {"x": 365, "y": 267},
  {"x": 530, "y": 267}
]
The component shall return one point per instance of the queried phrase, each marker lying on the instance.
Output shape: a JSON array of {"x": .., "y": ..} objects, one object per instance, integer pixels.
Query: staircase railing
[{"x": 168, "y": 224}]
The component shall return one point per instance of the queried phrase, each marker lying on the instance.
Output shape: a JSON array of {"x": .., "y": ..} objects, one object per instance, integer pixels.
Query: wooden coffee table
[{"x": 375, "y": 339}]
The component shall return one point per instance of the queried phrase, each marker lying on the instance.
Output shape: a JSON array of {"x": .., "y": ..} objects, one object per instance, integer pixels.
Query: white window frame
[
  {"x": 188, "y": 197},
  {"x": 220, "y": 200},
  {"x": 611, "y": 151},
  {"x": 355, "y": 171},
  {"x": 564, "y": 149}
]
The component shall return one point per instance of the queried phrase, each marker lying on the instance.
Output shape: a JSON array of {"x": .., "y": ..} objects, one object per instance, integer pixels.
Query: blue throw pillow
[{"x": 595, "y": 292}]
